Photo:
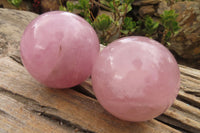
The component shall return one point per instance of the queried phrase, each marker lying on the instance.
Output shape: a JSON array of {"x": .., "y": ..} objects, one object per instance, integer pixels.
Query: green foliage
[
  {"x": 70, "y": 6},
  {"x": 102, "y": 22},
  {"x": 129, "y": 1},
  {"x": 168, "y": 35},
  {"x": 62, "y": 8},
  {"x": 83, "y": 5},
  {"x": 15, "y": 2},
  {"x": 117, "y": 24},
  {"x": 150, "y": 26},
  {"x": 128, "y": 26},
  {"x": 183, "y": 0},
  {"x": 168, "y": 20},
  {"x": 107, "y": 25}
]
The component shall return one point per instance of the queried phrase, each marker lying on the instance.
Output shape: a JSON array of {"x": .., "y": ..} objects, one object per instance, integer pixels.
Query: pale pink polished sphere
[
  {"x": 59, "y": 49},
  {"x": 135, "y": 78}
]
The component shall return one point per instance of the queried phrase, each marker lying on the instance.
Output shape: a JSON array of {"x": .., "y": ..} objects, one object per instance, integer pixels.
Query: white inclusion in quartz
[
  {"x": 39, "y": 47},
  {"x": 118, "y": 77},
  {"x": 110, "y": 58}
]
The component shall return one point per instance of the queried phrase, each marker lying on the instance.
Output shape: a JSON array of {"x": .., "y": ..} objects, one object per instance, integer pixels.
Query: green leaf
[
  {"x": 175, "y": 26},
  {"x": 102, "y": 22},
  {"x": 150, "y": 25},
  {"x": 108, "y": 0},
  {"x": 105, "y": 2},
  {"x": 88, "y": 20},
  {"x": 70, "y": 6},
  {"x": 117, "y": 23},
  {"x": 82, "y": 5},
  {"x": 112, "y": 6},
  {"x": 122, "y": 8},
  {"x": 168, "y": 36},
  {"x": 168, "y": 43},
  {"x": 82, "y": 14},
  {"x": 62, "y": 8},
  {"x": 128, "y": 25},
  {"x": 129, "y": 1},
  {"x": 129, "y": 8},
  {"x": 125, "y": 32},
  {"x": 117, "y": 2},
  {"x": 168, "y": 20},
  {"x": 15, "y": 2},
  {"x": 155, "y": 26},
  {"x": 132, "y": 30}
]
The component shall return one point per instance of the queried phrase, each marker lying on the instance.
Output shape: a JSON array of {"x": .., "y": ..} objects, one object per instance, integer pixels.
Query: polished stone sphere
[
  {"x": 59, "y": 48},
  {"x": 136, "y": 78}
]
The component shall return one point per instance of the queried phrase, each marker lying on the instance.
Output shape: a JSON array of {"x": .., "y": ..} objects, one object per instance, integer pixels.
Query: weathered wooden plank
[
  {"x": 65, "y": 105},
  {"x": 87, "y": 87},
  {"x": 191, "y": 99},
  {"x": 185, "y": 114},
  {"x": 181, "y": 115},
  {"x": 189, "y": 71},
  {"x": 14, "y": 118},
  {"x": 187, "y": 97},
  {"x": 190, "y": 80},
  {"x": 12, "y": 25},
  {"x": 187, "y": 110}
]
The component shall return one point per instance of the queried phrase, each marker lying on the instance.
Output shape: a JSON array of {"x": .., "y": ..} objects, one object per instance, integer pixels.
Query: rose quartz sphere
[
  {"x": 135, "y": 78},
  {"x": 59, "y": 49}
]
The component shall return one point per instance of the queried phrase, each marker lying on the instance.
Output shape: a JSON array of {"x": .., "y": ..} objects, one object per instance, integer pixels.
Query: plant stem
[
  {"x": 163, "y": 37},
  {"x": 91, "y": 15},
  {"x": 60, "y": 2},
  {"x": 116, "y": 11},
  {"x": 123, "y": 16},
  {"x": 101, "y": 5},
  {"x": 103, "y": 32}
]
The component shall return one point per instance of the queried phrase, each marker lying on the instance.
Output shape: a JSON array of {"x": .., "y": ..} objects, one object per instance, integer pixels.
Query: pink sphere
[
  {"x": 59, "y": 49},
  {"x": 135, "y": 78}
]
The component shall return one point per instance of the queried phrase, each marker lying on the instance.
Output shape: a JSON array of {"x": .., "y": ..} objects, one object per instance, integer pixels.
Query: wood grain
[
  {"x": 18, "y": 88},
  {"x": 190, "y": 80},
  {"x": 15, "y": 118},
  {"x": 184, "y": 113}
]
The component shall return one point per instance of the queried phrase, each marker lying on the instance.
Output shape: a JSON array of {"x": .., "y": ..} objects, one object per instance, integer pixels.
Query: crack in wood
[
  {"x": 30, "y": 103},
  {"x": 177, "y": 124},
  {"x": 164, "y": 119},
  {"x": 189, "y": 75},
  {"x": 35, "y": 107},
  {"x": 16, "y": 59},
  {"x": 188, "y": 101},
  {"x": 3, "y": 113},
  {"x": 176, "y": 119},
  {"x": 62, "y": 121},
  {"x": 192, "y": 93},
  {"x": 83, "y": 91}
]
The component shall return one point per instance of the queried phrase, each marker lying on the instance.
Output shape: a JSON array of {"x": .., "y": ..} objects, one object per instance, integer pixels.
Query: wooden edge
[
  {"x": 15, "y": 118},
  {"x": 188, "y": 123},
  {"x": 67, "y": 105},
  {"x": 189, "y": 98}
]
